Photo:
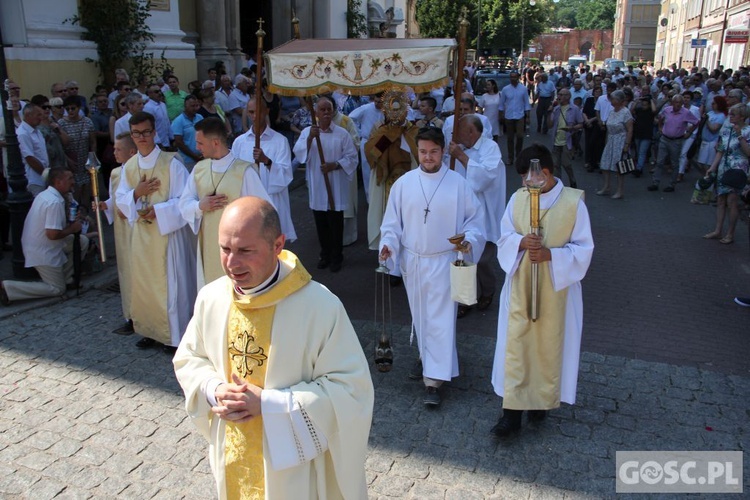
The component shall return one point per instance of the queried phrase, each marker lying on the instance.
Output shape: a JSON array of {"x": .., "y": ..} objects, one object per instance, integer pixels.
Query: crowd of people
[{"x": 185, "y": 169}]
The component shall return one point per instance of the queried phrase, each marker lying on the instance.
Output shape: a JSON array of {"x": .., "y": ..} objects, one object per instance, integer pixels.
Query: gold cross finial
[{"x": 260, "y": 31}]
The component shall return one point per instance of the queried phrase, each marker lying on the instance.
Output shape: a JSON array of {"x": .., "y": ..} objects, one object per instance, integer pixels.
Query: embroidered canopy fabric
[{"x": 358, "y": 66}]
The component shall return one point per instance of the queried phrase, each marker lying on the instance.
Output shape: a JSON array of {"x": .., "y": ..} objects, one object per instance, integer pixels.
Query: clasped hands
[
  {"x": 237, "y": 402},
  {"x": 532, "y": 243}
]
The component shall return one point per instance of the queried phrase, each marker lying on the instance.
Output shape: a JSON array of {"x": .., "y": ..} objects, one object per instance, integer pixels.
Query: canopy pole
[
  {"x": 258, "y": 83},
  {"x": 458, "y": 76}
]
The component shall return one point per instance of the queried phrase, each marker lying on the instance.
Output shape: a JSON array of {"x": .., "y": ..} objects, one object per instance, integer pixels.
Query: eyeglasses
[
  {"x": 142, "y": 133},
  {"x": 72, "y": 88},
  {"x": 45, "y": 106},
  {"x": 71, "y": 109}
]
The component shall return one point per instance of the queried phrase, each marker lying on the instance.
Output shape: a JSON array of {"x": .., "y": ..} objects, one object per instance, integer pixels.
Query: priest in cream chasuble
[{"x": 273, "y": 372}]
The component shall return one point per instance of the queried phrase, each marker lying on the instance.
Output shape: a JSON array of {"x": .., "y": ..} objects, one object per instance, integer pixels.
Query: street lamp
[{"x": 19, "y": 198}]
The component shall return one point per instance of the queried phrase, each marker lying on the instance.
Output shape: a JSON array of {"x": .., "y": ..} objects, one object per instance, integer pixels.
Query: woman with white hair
[
  {"x": 619, "y": 135},
  {"x": 731, "y": 165}
]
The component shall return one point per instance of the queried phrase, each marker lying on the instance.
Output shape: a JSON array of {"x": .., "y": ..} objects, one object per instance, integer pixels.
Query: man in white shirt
[
  {"x": 33, "y": 148},
  {"x": 238, "y": 101},
  {"x": 134, "y": 102},
  {"x": 274, "y": 162},
  {"x": 485, "y": 173},
  {"x": 155, "y": 105},
  {"x": 223, "y": 92},
  {"x": 47, "y": 242},
  {"x": 340, "y": 165}
]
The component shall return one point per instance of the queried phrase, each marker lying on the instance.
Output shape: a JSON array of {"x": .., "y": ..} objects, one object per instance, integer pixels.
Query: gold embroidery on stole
[
  {"x": 231, "y": 186},
  {"x": 248, "y": 343},
  {"x": 534, "y": 349},
  {"x": 148, "y": 258}
]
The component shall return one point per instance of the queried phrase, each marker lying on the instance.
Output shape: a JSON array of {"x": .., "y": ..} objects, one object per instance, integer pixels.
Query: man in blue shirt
[
  {"x": 545, "y": 94},
  {"x": 514, "y": 110},
  {"x": 183, "y": 128}
]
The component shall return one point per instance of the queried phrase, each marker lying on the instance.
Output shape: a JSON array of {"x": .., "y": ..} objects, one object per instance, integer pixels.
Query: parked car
[
  {"x": 501, "y": 77},
  {"x": 610, "y": 64},
  {"x": 574, "y": 61}
]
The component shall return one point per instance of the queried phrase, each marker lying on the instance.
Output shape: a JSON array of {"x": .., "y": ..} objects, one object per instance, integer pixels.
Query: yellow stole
[
  {"x": 122, "y": 245},
  {"x": 148, "y": 258},
  {"x": 206, "y": 181},
  {"x": 249, "y": 342},
  {"x": 534, "y": 349}
]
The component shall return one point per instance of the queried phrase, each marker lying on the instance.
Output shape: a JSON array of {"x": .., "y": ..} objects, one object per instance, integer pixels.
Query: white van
[{"x": 574, "y": 61}]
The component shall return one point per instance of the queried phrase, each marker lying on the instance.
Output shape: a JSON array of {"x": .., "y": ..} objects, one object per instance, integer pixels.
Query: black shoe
[
  {"x": 462, "y": 311},
  {"x": 537, "y": 415},
  {"x": 509, "y": 423},
  {"x": 653, "y": 187},
  {"x": 323, "y": 263},
  {"x": 146, "y": 343},
  {"x": 484, "y": 302},
  {"x": 431, "y": 396},
  {"x": 742, "y": 301},
  {"x": 574, "y": 185},
  {"x": 72, "y": 286},
  {"x": 336, "y": 266},
  {"x": 416, "y": 371},
  {"x": 668, "y": 189},
  {"x": 395, "y": 281},
  {"x": 4, "y": 300},
  {"x": 637, "y": 173},
  {"x": 126, "y": 329},
  {"x": 168, "y": 349}
]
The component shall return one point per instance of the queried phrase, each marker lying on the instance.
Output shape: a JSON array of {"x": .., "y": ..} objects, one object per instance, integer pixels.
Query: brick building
[{"x": 561, "y": 45}]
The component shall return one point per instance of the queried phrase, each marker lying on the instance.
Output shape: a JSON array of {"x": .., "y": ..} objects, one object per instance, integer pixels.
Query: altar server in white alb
[
  {"x": 485, "y": 173},
  {"x": 273, "y": 373},
  {"x": 215, "y": 182},
  {"x": 162, "y": 257},
  {"x": 427, "y": 206},
  {"x": 536, "y": 362},
  {"x": 274, "y": 160},
  {"x": 341, "y": 161}
]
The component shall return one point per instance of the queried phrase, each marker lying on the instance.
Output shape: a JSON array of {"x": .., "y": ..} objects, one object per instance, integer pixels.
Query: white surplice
[
  {"x": 567, "y": 268},
  {"x": 337, "y": 147},
  {"x": 275, "y": 180},
  {"x": 485, "y": 173},
  {"x": 423, "y": 254},
  {"x": 181, "y": 280}
]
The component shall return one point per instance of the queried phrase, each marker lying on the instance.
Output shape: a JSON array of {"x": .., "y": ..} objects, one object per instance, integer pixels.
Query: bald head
[{"x": 250, "y": 240}]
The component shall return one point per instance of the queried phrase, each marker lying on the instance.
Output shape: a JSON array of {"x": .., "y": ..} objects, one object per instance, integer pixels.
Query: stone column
[
  {"x": 234, "y": 41},
  {"x": 212, "y": 46}
]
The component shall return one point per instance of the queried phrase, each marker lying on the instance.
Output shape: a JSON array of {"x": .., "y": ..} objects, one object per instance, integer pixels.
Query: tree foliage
[
  {"x": 584, "y": 14},
  {"x": 356, "y": 22},
  {"x": 503, "y": 20},
  {"x": 120, "y": 30}
]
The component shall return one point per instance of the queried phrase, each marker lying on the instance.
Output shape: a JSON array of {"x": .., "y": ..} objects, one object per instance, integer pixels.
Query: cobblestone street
[{"x": 84, "y": 414}]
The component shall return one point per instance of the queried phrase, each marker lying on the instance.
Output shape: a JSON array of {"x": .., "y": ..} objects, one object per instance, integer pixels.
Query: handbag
[
  {"x": 735, "y": 178},
  {"x": 626, "y": 164},
  {"x": 464, "y": 283}
]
